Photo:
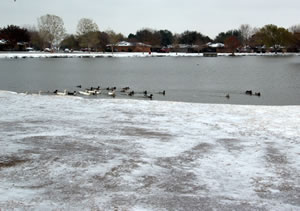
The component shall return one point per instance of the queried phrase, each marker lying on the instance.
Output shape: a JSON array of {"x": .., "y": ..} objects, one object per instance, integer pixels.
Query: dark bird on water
[
  {"x": 149, "y": 96},
  {"x": 125, "y": 89},
  {"x": 111, "y": 89},
  {"x": 257, "y": 94},
  {"x": 72, "y": 93},
  {"x": 248, "y": 92},
  {"x": 131, "y": 93}
]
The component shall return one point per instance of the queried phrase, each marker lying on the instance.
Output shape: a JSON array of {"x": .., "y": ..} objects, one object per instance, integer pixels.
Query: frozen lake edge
[{"x": 18, "y": 55}]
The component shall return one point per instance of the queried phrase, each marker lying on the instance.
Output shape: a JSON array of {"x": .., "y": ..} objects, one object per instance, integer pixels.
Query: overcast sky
[{"x": 208, "y": 17}]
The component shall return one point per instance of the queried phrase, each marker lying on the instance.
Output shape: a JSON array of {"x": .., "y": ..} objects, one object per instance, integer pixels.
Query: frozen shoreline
[
  {"x": 71, "y": 153},
  {"x": 18, "y": 55}
]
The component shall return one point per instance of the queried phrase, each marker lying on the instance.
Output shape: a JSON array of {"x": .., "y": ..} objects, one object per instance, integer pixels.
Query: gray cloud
[{"x": 127, "y": 16}]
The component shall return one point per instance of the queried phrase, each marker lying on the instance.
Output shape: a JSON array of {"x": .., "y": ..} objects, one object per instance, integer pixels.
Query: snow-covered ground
[
  {"x": 16, "y": 55},
  {"x": 71, "y": 153}
]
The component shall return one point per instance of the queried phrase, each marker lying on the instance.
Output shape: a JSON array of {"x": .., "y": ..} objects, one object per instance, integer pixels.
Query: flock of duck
[
  {"x": 250, "y": 92},
  {"x": 113, "y": 92},
  {"x": 247, "y": 92},
  {"x": 109, "y": 91}
]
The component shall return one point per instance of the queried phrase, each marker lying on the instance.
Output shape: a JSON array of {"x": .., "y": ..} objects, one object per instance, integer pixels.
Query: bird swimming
[
  {"x": 131, "y": 93},
  {"x": 85, "y": 93},
  {"x": 248, "y": 92},
  {"x": 72, "y": 93},
  {"x": 124, "y": 89},
  {"x": 112, "y": 93},
  {"x": 149, "y": 96},
  {"x": 60, "y": 93}
]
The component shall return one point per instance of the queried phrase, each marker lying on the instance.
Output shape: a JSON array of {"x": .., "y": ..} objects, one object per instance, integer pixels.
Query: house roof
[
  {"x": 183, "y": 46},
  {"x": 128, "y": 44},
  {"x": 215, "y": 45},
  {"x": 124, "y": 43},
  {"x": 22, "y": 43},
  {"x": 3, "y": 42}
]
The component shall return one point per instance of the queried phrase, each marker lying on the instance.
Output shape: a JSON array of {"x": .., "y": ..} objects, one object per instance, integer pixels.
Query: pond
[{"x": 186, "y": 79}]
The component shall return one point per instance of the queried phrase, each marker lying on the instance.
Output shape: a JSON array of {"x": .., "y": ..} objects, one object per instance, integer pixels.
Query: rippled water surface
[{"x": 188, "y": 79}]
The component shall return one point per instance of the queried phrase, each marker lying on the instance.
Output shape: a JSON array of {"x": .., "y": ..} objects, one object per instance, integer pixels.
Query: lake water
[{"x": 187, "y": 79}]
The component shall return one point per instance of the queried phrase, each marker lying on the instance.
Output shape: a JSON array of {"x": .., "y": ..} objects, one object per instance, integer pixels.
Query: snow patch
[
  {"x": 25, "y": 55},
  {"x": 83, "y": 154}
]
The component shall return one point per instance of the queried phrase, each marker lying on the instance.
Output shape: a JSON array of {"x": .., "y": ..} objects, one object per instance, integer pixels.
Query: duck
[
  {"x": 162, "y": 93},
  {"x": 124, "y": 89},
  {"x": 131, "y": 93},
  {"x": 78, "y": 86},
  {"x": 111, "y": 88},
  {"x": 149, "y": 96},
  {"x": 60, "y": 93},
  {"x": 94, "y": 88},
  {"x": 227, "y": 96},
  {"x": 72, "y": 93},
  {"x": 248, "y": 92},
  {"x": 92, "y": 92},
  {"x": 112, "y": 93},
  {"x": 84, "y": 93},
  {"x": 257, "y": 94}
]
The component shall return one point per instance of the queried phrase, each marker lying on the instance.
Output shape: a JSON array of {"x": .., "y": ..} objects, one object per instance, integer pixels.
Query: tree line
[{"x": 51, "y": 33}]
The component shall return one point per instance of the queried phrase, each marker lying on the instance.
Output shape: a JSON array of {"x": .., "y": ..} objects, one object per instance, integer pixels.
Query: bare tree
[
  {"x": 87, "y": 32},
  {"x": 104, "y": 40},
  {"x": 255, "y": 30},
  {"x": 36, "y": 41},
  {"x": 86, "y": 25},
  {"x": 51, "y": 29},
  {"x": 199, "y": 45},
  {"x": 114, "y": 38},
  {"x": 246, "y": 33},
  {"x": 175, "y": 44},
  {"x": 295, "y": 29},
  {"x": 89, "y": 40}
]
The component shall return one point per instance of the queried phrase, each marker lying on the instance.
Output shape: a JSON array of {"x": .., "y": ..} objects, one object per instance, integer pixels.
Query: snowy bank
[
  {"x": 19, "y": 55},
  {"x": 70, "y": 153}
]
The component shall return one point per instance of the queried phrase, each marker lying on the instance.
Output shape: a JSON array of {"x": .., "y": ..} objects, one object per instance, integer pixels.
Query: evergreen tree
[{"x": 14, "y": 35}]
